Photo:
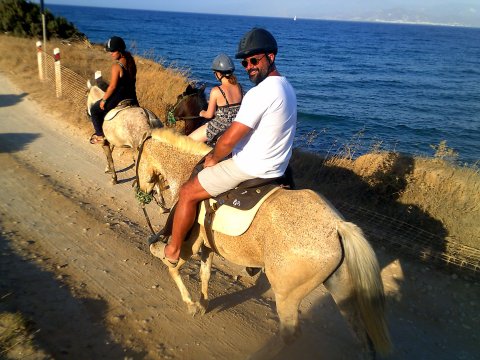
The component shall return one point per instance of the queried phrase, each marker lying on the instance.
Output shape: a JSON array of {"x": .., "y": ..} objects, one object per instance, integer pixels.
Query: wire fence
[
  {"x": 67, "y": 83},
  {"x": 394, "y": 235},
  {"x": 399, "y": 237}
]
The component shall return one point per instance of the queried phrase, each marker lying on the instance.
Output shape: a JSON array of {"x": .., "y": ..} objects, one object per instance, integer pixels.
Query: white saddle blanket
[{"x": 231, "y": 221}]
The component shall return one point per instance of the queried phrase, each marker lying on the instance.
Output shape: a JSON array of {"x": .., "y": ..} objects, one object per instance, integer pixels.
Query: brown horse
[
  {"x": 299, "y": 239},
  {"x": 183, "y": 115},
  {"x": 128, "y": 127}
]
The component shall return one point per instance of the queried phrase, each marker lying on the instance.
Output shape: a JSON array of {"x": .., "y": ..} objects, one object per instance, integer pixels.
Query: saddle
[
  {"x": 241, "y": 204},
  {"x": 122, "y": 105}
]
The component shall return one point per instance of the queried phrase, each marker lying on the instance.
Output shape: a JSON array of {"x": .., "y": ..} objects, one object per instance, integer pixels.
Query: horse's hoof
[
  {"x": 290, "y": 334},
  {"x": 203, "y": 306},
  {"x": 196, "y": 309}
]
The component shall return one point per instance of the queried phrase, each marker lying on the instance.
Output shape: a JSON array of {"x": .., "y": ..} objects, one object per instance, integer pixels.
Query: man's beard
[{"x": 259, "y": 76}]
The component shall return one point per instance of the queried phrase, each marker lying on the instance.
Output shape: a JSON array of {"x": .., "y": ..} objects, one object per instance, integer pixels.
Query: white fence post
[
  {"x": 40, "y": 61},
  {"x": 58, "y": 72}
]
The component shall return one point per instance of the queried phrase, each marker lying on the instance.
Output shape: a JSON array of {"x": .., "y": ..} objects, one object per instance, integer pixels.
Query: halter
[{"x": 171, "y": 120}]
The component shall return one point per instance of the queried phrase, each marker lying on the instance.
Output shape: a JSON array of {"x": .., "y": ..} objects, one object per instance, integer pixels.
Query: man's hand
[
  {"x": 226, "y": 143},
  {"x": 209, "y": 161}
]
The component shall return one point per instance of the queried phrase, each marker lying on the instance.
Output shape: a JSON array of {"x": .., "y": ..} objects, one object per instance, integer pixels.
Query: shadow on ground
[
  {"x": 13, "y": 142},
  {"x": 64, "y": 326},
  {"x": 11, "y": 99}
]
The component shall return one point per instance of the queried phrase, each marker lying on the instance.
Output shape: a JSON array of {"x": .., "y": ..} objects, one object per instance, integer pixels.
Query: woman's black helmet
[
  {"x": 256, "y": 41},
  {"x": 115, "y": 43}
]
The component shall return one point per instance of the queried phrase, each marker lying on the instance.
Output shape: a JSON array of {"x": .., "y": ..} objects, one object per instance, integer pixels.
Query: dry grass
[{"x": 17, "y": 338}]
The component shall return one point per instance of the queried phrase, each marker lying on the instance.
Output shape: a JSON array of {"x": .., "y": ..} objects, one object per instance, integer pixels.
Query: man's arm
[{"x": 227, "y": 142}]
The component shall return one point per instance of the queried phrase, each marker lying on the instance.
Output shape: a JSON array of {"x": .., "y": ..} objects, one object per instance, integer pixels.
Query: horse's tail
[{"x": 369, "y": 295}]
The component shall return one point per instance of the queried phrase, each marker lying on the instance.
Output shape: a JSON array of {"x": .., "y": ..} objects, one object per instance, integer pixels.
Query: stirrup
[
  {"x": 157, "y": 237},
  {"x": 252, "y": 271}
]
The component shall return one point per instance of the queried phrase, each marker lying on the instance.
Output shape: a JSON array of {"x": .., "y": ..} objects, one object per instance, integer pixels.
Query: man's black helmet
[
  {"x": 256, "y": 41},
  {"x": 115, "y": 43}
]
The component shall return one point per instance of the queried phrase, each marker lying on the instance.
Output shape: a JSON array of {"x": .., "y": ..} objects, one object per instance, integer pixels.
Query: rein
[{"x": 140, "y": 195}]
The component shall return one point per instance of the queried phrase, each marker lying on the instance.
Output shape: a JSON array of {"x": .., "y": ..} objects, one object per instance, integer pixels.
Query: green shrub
[{"x": 23, "y": 18}]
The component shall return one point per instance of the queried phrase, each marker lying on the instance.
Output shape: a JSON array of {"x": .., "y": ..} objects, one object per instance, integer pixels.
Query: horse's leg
[
  {"x": 205, "y": 272},
  {"x": 288, "y": 301},
  {"x": 340, "y": 287},
  {"x": 193, "y": 308},
  {"x": 288, "y": 295},
  {"x": 110, "y": 166}
]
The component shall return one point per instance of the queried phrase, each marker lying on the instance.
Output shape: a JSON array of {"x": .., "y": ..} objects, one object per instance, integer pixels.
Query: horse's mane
[{"x": 181, "y": 142}]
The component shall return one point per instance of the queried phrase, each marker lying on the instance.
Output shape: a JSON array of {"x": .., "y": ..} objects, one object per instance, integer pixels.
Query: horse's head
[
  {"x": 188, "y": 105},
  {"x": 158, "y": 162}
]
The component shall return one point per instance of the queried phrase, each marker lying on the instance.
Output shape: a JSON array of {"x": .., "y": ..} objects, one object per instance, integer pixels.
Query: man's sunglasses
[{"x": 253, "y": 61}]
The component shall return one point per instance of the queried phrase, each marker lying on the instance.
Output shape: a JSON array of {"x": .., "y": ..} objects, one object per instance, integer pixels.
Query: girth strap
[{"x": 208, "y": 223}]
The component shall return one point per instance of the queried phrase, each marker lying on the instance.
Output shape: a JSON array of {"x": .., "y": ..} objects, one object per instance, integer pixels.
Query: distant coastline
[{"x": 368, "y": 19}]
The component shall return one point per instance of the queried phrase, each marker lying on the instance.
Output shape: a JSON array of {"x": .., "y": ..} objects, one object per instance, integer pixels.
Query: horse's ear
[
  {"x": 189, "y": 90},
  {"x": 89, "y": 84},
  {"x": 202, "y": 88}
]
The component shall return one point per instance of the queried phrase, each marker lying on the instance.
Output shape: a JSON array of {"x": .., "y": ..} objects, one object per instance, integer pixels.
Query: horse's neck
[
  {"x": 94, "y": 95},
  {"x": 179, "y": 171}
]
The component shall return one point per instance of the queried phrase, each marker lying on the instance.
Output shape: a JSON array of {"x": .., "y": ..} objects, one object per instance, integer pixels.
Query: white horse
[
  {"x": 299, "y": 239},
  {"x": 126, "y": 128}
]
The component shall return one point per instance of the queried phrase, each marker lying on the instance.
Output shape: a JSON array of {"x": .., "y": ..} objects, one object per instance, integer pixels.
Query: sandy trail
[{"x": 75, "y": 261}]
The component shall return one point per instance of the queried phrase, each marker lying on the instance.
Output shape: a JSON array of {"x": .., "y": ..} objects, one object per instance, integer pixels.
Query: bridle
[
  {"x": 171, "y": 119},
  {"x": 143, "y": 197}
]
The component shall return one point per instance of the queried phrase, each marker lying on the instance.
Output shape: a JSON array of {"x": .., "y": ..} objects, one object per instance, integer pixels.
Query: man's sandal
[{"x": 158, "y": 250}]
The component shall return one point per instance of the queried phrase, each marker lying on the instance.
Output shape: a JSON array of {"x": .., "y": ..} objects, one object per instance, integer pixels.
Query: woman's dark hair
[
  {"x": 131, "y": 66},
  {"x": 232, "y": 79}
]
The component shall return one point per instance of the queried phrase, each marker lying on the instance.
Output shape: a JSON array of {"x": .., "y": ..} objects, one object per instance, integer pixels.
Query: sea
[{"x": 360, "y": 86}]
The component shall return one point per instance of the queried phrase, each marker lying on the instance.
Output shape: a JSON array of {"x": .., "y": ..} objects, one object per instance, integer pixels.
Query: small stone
[{"x": 118, "y": 318}]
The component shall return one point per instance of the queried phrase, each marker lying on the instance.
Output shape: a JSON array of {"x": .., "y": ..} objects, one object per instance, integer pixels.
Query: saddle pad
[{"x": 231, "y": 221}]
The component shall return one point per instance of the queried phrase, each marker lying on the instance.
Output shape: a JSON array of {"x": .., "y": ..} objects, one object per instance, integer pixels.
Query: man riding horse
[{"x": 260, "y": 140}]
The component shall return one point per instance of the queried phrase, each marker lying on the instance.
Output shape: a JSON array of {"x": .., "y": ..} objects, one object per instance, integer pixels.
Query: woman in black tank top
[{"x": 122, "y": 85}]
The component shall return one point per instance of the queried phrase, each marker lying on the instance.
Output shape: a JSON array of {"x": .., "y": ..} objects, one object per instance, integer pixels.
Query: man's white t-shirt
[{"x": 270, "y": 110}]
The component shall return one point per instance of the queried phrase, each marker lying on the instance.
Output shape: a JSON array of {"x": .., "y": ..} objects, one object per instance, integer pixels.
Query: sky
[{"x": 449, "y": 12}]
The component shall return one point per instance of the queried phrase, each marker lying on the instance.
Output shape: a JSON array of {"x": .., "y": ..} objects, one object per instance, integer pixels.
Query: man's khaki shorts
[{"x": 222, "y": 177}]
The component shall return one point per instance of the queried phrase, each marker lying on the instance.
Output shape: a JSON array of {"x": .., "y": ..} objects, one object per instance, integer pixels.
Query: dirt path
[{"x": 74, "y": 261}]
